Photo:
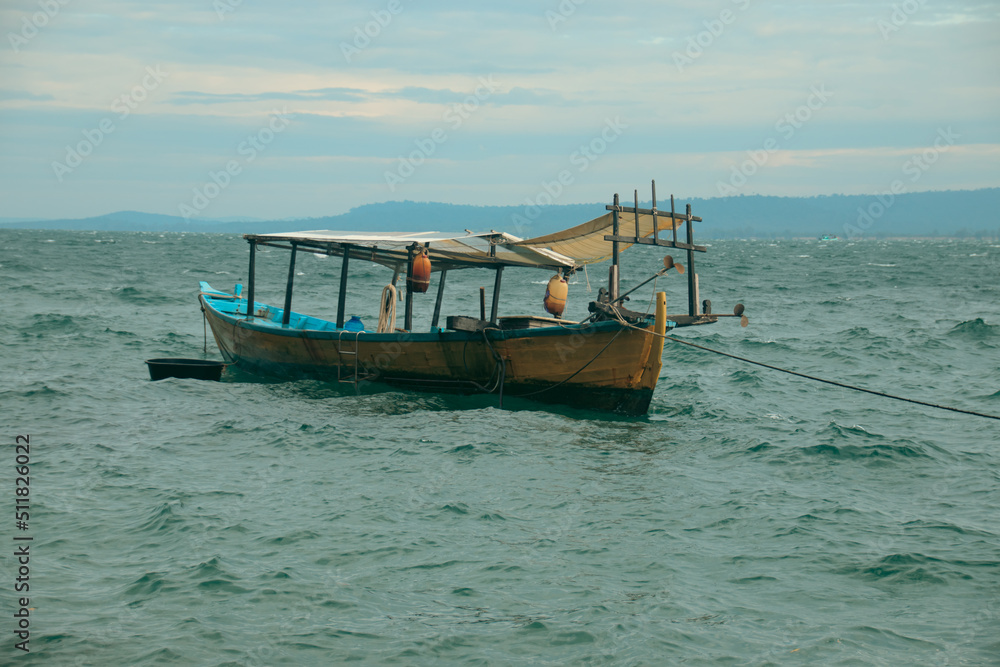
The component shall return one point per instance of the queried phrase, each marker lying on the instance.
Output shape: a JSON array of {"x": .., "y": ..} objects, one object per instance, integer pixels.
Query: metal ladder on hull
[{"x": 343, "y": 352}]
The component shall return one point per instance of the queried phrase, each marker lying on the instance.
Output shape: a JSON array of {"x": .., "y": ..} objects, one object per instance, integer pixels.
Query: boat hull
[{"x": 605, "y": 365}]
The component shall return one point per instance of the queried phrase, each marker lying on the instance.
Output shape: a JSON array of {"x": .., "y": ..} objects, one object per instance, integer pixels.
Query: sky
[{"x": 271, "y": 110}]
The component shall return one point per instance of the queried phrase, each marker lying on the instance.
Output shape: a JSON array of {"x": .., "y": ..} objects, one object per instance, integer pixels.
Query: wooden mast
[
  {"x": 250, "y": 279},
  {"x": 440, "y": 298},
  {"x": 673, "y": 218},
  {"x": 692, "y": 288},
  {"x": 656, "y": 227},
  {"x": 287, "y": 314},
  {"x": 613, "y": 271},
  {"x": 496, "y": 294},
  {"x": 342, "y": 294},
  {"x": 636, "y": 209},
  {"x": 408, "y": 317}
]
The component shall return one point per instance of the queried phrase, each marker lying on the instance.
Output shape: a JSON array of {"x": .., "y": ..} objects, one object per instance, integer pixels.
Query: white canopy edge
[{"x": 446, "y": 250}]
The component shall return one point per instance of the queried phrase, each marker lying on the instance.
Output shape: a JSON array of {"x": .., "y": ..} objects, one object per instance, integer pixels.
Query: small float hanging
[
  {"x": 420, "y": 279},
  {"x": 555, "y": 295}
]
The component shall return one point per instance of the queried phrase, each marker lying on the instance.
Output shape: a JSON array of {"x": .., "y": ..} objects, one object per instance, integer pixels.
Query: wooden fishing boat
[{"x": 610, "y": 361}]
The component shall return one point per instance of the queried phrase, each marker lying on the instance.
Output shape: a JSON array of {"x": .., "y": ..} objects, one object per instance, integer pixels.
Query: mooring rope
[
  {"x": 387, "y": 310},
  {"x": 819, "y": 379},
  {"x": 801, "y": 375}
]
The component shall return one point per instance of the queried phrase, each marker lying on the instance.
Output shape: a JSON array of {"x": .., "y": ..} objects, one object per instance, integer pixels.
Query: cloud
[
  {"x": 24, "y": 95},
  {"x": 524, "y": 96},
  {"x": 420, "y": 95},
  {"x": 423, "y": 95},
  {"x": 336, "y": 94}
]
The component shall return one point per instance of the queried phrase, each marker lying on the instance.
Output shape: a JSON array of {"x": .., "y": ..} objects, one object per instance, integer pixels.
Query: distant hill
[
  {"x": 11, "y": 221},
  {"x": 943, "y": 213}
]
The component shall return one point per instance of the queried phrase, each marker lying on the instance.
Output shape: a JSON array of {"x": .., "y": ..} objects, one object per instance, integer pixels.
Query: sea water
[{"x": 752, "y": 518}]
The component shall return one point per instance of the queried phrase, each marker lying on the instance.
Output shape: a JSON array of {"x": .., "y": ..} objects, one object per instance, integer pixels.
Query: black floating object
[{"x": 199, "y": 369}]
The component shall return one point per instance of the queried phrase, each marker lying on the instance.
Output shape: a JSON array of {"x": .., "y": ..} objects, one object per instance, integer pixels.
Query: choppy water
[{"x": 751, "y": 519}]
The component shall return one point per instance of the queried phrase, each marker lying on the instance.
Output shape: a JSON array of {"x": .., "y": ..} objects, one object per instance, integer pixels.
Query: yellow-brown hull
[{"x": 605, "y": 365}]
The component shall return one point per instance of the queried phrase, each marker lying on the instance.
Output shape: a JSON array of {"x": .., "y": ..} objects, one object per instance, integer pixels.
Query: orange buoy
[
  {"x": 555, "y": 295},
  {"x": 421, "y": 279}
]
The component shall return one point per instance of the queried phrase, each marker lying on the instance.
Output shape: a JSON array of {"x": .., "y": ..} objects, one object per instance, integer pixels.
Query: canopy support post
[
  {"x": 673, "y": 218},
  {"x": 286, "y": 316},
  {"x": 408, "y": 318},
  {"x": 440, "y": 297},
  {"x": 656, "y": 226},
  {"x": 692, "y": 288},
  {"x": 496, "y": 295},
  {"x": 342, "y": 294},
  {"x": 637, "y": 233},
  {"x": 613, "y": 271},
  {"x": 250, "y": 279}
]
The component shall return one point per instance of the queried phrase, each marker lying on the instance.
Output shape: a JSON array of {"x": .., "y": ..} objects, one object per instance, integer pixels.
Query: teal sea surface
[{"x": 751, "y": 518}]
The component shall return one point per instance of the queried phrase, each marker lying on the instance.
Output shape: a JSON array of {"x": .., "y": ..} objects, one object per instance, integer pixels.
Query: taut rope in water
[
  {"x": 833, "y": 382},
  {"x": 813, "y": 377}
]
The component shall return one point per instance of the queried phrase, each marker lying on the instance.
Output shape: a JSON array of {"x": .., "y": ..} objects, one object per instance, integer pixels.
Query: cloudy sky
[{"x": 265, "y": 109}]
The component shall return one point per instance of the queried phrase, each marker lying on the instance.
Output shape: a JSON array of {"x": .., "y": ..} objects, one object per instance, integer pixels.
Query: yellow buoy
[{"x": 555, "y": 295}]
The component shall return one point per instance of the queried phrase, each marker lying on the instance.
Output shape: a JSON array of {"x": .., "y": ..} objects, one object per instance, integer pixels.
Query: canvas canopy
[
  {"x": 585, "y": 243},
  {"x": 567, "y": 250}
]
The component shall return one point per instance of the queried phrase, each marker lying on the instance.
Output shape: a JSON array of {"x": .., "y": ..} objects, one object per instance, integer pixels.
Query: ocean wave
[
  {"x": 149, "y": 584},
  {"x": 879, "y": 447},
  {"x": 975, "y": 330},
  {"x": 145, "y": 296},
  {"x": 747, "y": 378},
  {"x": 58, "y": 322},
  {"x": 912, "y": 568}
]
